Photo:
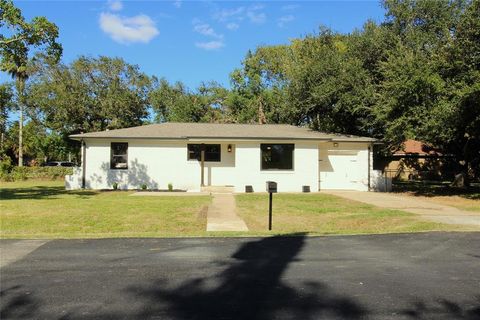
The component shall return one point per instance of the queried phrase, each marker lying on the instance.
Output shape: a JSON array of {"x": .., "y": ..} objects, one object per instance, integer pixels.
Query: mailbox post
[{"x": 271, "y": 189}]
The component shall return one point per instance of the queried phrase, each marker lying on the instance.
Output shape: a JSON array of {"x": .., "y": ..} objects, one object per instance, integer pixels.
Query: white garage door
[{"x": 338, "y": 170}]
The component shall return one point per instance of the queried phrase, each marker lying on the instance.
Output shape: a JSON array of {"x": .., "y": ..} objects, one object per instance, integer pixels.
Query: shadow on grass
[
  {"x": 432, "y": 189},
  {"x": 41, "y": 192}
]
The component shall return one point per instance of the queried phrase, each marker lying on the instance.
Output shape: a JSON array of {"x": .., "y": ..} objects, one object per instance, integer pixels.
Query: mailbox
[{"x": 271, "y": 187}]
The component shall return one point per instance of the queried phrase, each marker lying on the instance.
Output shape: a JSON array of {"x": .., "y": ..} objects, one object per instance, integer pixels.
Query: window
[
  {"x": 277, "y": 156},
  {"x": 212, "y": 152},
  {"x": 119, "y": 155}
]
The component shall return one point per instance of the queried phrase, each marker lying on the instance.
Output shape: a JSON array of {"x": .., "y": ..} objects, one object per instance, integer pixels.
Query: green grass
[
  {"x": 44, "y": 209},
  {"x": 328, "y": 214},
  {"x": 467, "y": 199}
]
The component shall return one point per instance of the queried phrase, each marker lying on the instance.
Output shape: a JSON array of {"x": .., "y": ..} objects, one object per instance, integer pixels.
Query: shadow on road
[
  {"x": 15, "y": 304},
  {"x": 442, "y": 309},
  {"x": 250, "y": 288}
]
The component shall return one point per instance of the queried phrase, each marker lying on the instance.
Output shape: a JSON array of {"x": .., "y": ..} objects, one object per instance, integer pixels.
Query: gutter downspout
[
  {"x": 370, "y": 148},
  {"x": 84, "y": 166},
  {"x": 202, "y": 164}
]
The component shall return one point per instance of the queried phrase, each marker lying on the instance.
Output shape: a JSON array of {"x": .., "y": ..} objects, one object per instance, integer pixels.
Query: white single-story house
[{"x": 192, "y": 156}]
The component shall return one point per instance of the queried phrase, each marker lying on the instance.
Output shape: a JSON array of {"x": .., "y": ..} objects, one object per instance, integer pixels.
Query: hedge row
[{"x": 24, "y": 173}]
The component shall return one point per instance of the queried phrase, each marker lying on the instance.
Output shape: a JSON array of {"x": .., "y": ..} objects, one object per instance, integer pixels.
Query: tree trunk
[
  {"x": 20, "y": 89},
  {"x": 261, "y": 114},
  {"x": 460, "y": 181}
]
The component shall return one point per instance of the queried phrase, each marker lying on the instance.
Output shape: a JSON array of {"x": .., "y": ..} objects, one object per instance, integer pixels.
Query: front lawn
[
  {"x": 327, "y": 214},
  {"x": 467, "y": 199},
  {"x": 44, "y": 209}
]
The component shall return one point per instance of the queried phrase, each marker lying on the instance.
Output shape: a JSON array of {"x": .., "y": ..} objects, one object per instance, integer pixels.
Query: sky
[{"x": 190, "y": 41}]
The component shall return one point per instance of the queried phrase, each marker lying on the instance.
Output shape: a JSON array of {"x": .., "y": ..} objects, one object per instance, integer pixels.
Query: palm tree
[
  {"x": 20, "y": 75},
  {"x": 14, "y": 51}
]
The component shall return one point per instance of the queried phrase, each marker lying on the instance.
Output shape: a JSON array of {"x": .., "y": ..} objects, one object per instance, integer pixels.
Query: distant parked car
[{"x": 59, "y": 164}]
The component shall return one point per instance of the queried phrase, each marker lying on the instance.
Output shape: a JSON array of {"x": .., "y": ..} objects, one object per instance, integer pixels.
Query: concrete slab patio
[
  {"x": 222, "y": 216},
  {"x": 426, "y": 209}
]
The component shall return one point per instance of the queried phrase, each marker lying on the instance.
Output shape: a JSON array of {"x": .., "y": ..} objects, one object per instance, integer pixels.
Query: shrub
[
  {"x": 170, "y": 187},
  {"x": 6, "y": 169},
  {"x": 6, "y": 165},
  {"x": 24, "y": 173},
  {"x": 143, "y": 186},
  {"x": 20, "y": 173},
  {"x": 115, "y": 186}
]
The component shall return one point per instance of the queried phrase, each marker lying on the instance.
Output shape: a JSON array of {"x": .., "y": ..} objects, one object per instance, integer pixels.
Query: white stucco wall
[
  {"x": 344, "y": 166},
  {"x": 157, "y": 163},
  {"x": 305, "y": 168}
]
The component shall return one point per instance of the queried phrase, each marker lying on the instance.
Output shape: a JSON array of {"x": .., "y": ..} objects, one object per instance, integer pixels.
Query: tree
[
  {"x": 178, "y": 104},
  {"x": 39, "y": 34},
  {"x": 413, "y": 76},
  {"x": 90, "y": 94},
  {"x": 6, "y": 104},
  {"x": 430, "y": 80},
  {"x": 458, "y": 129},
  {"x": 258, "y": 88}
]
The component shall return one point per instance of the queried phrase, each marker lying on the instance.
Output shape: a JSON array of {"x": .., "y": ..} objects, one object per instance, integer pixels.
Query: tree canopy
[
  {"x": 415, "y": 75},
  {"x": 90, "y": 94}
]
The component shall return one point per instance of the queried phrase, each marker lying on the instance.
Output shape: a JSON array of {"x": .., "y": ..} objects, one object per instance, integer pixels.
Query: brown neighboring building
[{"x": 417, "y": 160}]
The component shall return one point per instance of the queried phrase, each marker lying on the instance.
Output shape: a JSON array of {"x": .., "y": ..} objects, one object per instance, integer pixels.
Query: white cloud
[
  {"x": 257, "y": 17},
  {"x": 177, "y": 3},
  {"x": 256, "y": 7},
  {"x": 254, "y": 14},
  {"x": 282, "y": 21},
  {"x": 140, "y": 28},
  {"x": 115, "y": 5},
  {"x": 210, "y": 45},
  {"x": 206, "y": 30},
  {"x": 229, "y": 14},
  {"x": 290, "y": 7},
  {"x": 233, "y": 16},
  {"x": 233, "y": 26}
]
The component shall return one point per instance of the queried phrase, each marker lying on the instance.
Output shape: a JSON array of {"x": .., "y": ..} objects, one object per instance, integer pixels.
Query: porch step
[{"x": 218, "y": 189}]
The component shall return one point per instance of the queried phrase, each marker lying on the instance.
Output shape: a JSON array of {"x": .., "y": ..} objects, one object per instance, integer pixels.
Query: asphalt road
[{"x": 412, "y": 276}]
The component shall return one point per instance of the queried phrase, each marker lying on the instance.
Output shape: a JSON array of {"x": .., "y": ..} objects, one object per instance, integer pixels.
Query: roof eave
[{"x": 82, "y": 137}]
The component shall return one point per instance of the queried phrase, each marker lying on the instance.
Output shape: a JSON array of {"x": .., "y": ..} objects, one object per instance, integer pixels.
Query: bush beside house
[{"x": 9, "y": 172}]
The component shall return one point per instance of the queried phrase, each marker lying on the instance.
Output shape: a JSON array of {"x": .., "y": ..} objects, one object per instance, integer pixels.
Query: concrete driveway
[
  {"x": 410, "y": 276},
  {"x": 428, "y": 210}
]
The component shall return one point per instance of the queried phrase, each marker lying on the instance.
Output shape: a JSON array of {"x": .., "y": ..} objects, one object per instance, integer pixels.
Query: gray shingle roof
[{"x": 184, "y": 131}]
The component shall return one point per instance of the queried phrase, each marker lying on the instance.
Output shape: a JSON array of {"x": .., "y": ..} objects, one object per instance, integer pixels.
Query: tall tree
[
  {"x": 6, "y": 104},
  {"x": 16, "y": 49},
  {"x": 90, "y": 94},
  {"x": 258, "y": 93},
  {"x": 175, "y": 102}
]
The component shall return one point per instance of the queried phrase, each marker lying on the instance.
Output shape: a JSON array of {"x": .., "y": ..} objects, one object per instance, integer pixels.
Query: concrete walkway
[
  {"x": 221, "y": 215},
  {"x": 168, "y": 194},
  {"x": 13, "y": 250},
  {"x": 428, "y": 210}
]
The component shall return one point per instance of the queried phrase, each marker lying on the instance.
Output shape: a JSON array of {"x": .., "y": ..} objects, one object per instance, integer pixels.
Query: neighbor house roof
[
  {"x": 414, "y": 147},
  {"x": 189, "y": 131}
]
